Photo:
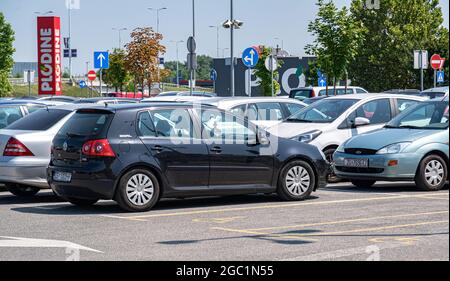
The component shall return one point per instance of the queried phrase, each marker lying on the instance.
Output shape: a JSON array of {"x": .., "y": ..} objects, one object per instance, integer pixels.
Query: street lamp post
[
  {"x": 178, "y": 61},
  {"x": 218, "y": 38},
  {"x": 157, "y": 31},
  {"x": 119, "y": 30}
]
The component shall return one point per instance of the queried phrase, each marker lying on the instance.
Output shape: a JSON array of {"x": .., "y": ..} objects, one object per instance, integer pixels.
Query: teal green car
[{"x": 412, "y": 147}]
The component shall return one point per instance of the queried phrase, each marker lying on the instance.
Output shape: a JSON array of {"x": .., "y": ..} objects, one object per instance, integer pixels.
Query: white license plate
[
  {"x": 62, "y": 176},
  {"x": 356, "y": 163}
]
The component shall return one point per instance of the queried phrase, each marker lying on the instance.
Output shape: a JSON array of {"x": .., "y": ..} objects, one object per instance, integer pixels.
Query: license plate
[
  {"x": 357, "y": 163},
  {"x": 62, "y": 177}
]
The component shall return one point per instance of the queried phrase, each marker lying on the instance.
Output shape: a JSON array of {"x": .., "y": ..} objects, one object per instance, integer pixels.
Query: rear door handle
[{"x": 216, "y": 149}]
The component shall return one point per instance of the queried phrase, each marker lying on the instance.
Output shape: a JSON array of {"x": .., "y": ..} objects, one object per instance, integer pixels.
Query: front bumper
[
  {"x": 86, "y": 183},
  {"x": 378, "y": 169},
  {"x": 28, "y": 175}
]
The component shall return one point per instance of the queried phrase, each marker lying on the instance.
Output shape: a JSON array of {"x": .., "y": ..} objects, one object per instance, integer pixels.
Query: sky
[{"x": 93, "y": 23}]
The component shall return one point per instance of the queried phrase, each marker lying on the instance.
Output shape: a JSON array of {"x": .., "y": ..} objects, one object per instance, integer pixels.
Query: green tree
[
  {"x": 391, "y": 34},
  {"x": 265, "y": 75},
  {"x": 116, "y": 75},
  {"x": 337, "y": 40},
  {"x": 6, "y": 53},
  {"x": 311, "y": 73}
]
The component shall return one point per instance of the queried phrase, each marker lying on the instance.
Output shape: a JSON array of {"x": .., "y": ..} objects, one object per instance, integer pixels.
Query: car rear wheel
[
  {"x": 363, "y": 183},
  {"x": 297, "y": 181},
  {"x": 22, "y": 190},
  {"x": 432, "y": 173},
  {"x": 138, "y": 191},
  {"x": 82, "y": 202},
  {"x": 331, "y": 177}
]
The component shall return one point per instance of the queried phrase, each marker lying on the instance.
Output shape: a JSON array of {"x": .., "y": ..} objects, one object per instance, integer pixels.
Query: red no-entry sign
[
  {"x": 92, "y": 75},
  {"x": 437, "y": 62}
]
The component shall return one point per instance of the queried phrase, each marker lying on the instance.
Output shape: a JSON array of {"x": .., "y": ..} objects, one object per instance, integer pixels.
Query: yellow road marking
[
  {"x": 408, "y": 241},
  {"x": 275, "y": 206},
  {"x": 218, "y": 220},
  {"x": 348, "y": 221},
  {"x": 340, "y": 232}
]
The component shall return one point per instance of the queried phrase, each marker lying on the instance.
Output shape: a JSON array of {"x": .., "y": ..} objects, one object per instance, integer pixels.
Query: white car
[
  {"x": 441, "y": 92},
  {"x": 262, "y": 111},
  {"x": 330, "y": 122},
  {"x": 312, "y": 92}
]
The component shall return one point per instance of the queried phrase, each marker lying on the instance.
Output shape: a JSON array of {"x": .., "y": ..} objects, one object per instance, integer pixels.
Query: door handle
[
  {"x": 157, "y": 148},
  {"x": 216, "y": 149}
]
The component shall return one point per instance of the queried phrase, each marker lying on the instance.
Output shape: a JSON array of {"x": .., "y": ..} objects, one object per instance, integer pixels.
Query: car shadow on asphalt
[
  {"x": 385, "y": 187},
  {"x": 111, "y": 208}
]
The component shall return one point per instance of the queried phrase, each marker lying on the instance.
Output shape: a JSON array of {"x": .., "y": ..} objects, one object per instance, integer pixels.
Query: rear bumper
[
  {"x": 28, "y": 175},
  {"x": 86, "y": 183}
]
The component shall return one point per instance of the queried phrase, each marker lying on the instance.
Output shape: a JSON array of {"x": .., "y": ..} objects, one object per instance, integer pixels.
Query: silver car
[{"x": 25, "y": 149}]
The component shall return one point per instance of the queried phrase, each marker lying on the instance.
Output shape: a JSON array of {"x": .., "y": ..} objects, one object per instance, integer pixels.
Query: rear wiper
[
  {"x": 410, "y": 127},
  {"x": 72, "y": 135},
  {"x": 391, "y": 127}
]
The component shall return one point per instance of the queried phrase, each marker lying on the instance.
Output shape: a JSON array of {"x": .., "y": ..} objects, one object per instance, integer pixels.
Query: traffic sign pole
[{"x": 249, "y": 82}]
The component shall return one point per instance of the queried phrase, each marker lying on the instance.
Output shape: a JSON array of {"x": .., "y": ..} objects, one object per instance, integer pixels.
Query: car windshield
[
  {"x": 40, "y": 120},
  {"x": 429, "y": 115},
  {"x": 324, "y": 111},
  {"x": 301, "y": 94}
]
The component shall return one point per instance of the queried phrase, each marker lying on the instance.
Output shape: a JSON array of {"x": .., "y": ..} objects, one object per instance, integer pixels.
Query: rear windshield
[
  {"x": 87, "y": 124},
  {"x": 300, "y": 94},
  {"x": 40, "y": 120}
]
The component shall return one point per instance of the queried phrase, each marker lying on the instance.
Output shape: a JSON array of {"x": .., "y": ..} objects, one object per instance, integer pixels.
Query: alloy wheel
[{"x": 434, "y": 173}]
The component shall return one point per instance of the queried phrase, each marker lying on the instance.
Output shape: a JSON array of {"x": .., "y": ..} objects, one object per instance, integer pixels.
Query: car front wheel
[
  {"x": 331, "y": 177},
  {"x": 432, "y": 173},
  {"x": 22, "y": 190},
  {"x": 297, "y": 181},
  {"x": 138, "y": 191}
]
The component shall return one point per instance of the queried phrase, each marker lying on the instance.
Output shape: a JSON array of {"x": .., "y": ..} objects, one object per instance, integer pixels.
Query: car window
[
  {"x": 9, "y": 115},
  {"x": 301, "y": 94},
  {"x": 338, "y": 92},
  {"x": 220, "y": 127},
  {"x": 294, "y": 107},
  {"x": 377, "y": 111},
  {"x": 87, "y": 123},
  {"x": 361, "y": 91},
  {"x": 269, "y": 111},
  {"x": 239, "y": 110},
  {"x": 434, "y": 115},
  {"x": 145, "y": 125},
  {"x": 403, "y": 104},
  {"x": 172, "y": 123},
  {"x": 324, "y": 111},
  {"x": 40, "y": 120},
  {"x": 33, "y": 108}
]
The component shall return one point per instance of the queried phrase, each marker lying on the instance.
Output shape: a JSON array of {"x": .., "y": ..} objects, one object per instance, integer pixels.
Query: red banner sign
[{"x": 49, "y": 55}]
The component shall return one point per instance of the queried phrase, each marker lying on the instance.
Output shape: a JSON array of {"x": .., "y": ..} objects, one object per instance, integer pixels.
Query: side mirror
[
  {"x": 262, "y": 138},
  {"x": 361, "y": 121}
]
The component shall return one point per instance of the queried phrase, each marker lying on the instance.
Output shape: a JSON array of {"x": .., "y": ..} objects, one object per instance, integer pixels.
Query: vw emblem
[{"x": 65, "y": 146}]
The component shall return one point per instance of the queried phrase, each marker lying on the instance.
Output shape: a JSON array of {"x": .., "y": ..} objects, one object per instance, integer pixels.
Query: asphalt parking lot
[{"x": 387, "y": 222}]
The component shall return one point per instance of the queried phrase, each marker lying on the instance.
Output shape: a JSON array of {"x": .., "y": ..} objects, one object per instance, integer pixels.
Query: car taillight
[
  {"x": 98, "y": 148},
  {"x": 313, "y": 94},
  {"x": 15, "y": 148}
]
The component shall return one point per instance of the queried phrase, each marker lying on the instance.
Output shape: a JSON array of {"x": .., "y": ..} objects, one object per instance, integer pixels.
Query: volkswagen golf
[{"x": 138, "y": 154}]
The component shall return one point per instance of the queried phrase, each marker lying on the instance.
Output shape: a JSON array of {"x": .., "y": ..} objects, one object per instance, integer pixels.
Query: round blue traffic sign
[
  {"x": 82, "y": 84},
  {"x": 213, "y": 75},
  {"x": 250, "y": 57}
]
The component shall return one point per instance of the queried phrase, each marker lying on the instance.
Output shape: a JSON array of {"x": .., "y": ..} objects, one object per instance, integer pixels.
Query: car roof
[
  {"x": 131, "y": 106},
  {"x": 239, "y": 100},
  {"x": 375, "y": 95},
  {"x": 439, "y": 89},
  {"x": 24, "y": 102}
]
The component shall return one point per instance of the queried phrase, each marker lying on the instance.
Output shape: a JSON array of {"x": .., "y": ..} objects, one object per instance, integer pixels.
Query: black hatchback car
[{"x": 137, "y": 154}]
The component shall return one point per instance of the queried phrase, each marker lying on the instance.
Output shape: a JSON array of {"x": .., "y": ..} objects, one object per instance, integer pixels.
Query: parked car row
[{"x": 184, "y": 146}]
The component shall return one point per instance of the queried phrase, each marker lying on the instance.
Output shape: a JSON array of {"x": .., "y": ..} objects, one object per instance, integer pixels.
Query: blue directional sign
[
  {"x": 82, "y": 84},
  {"x": 101, "y": 60},
  {"x": 213, "y": 75},
  {"x": 322, "y": 81},
  {"x": 440, "y": 77},
  {"x": 250, "y": 57}
]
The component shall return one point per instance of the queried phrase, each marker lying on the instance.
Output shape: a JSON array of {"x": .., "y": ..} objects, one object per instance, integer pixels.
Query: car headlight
[
  {"x": 394, "y": 148},
  {"x": 308, "y": 137}
]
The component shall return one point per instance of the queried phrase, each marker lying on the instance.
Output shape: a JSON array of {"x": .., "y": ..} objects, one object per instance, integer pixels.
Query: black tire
[
  {"x": 22, "y": 190},
  {"x": 421, "y": 180},
  {"x": 82, "y": 202},
  {"x": 283, "y": 190},
  {"x": 331, "y": 177},
  {"x": 125, "y": 201},
  {"x": 363, "y": 183}
]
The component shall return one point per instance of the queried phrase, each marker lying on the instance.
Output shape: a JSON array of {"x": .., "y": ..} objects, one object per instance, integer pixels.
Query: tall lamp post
[
  {"x": 178, "y": 61},
  {"x": 119, "y": 30},
  {"x": 232, "y": 24},
  {"x": 217, "y": 27},
  {"x": 157, "y": 31}
]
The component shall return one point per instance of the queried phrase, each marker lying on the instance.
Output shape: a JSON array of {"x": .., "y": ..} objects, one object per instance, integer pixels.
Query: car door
[
  {"x": 378, "y": 112},
  {"x": 237, "y": 160},
  {"x": 172, "y": 139}
]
